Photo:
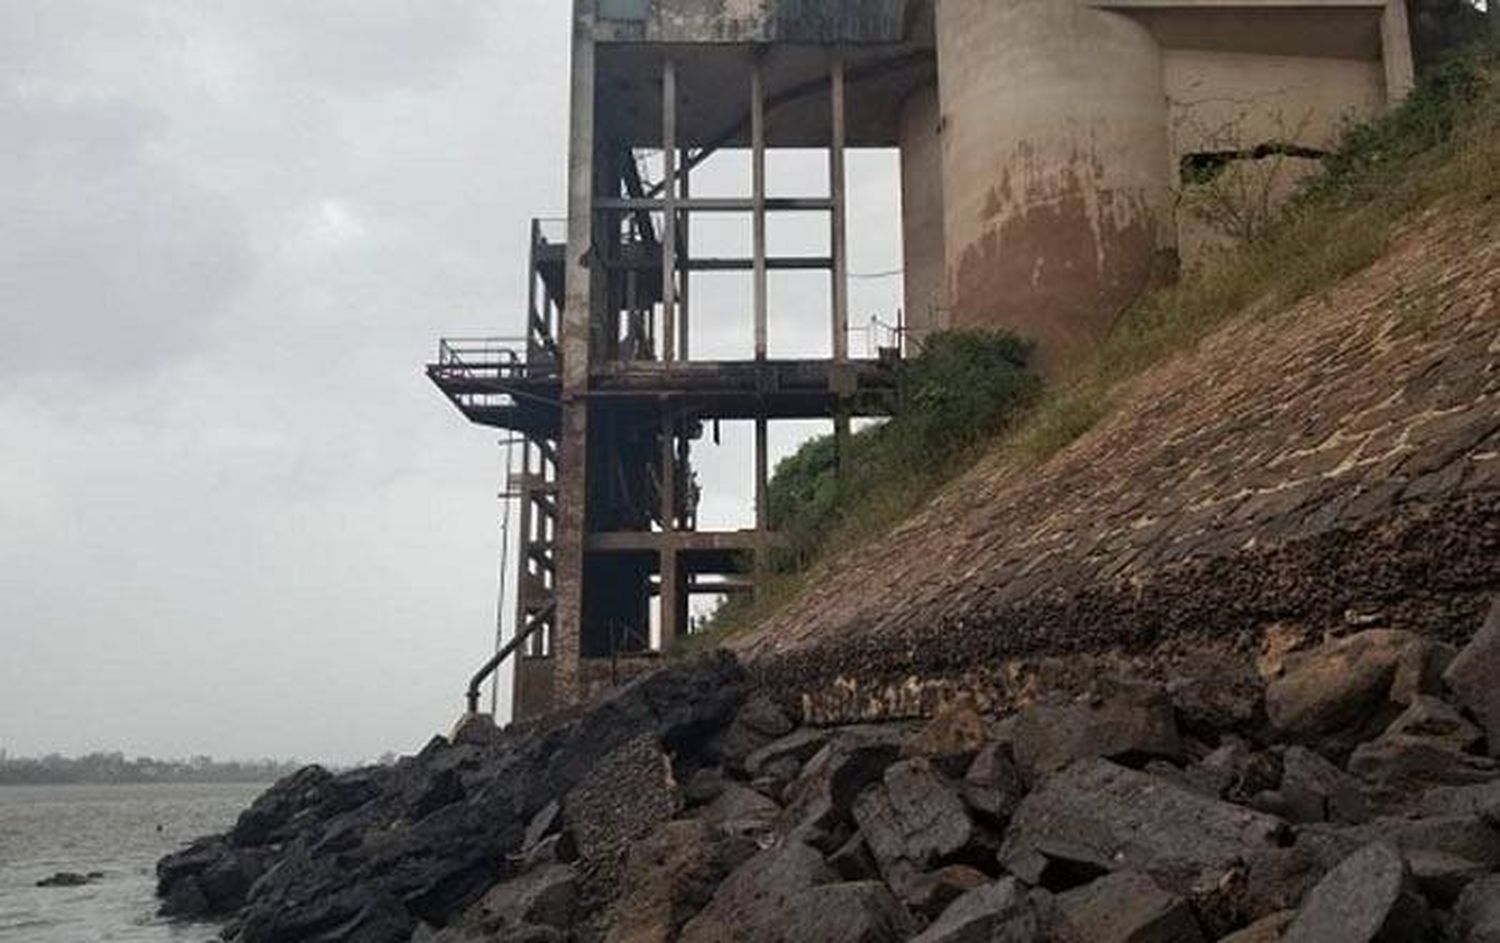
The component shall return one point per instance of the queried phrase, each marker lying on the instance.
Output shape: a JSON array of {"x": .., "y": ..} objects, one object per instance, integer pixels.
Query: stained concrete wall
[
  {"x": 1222, "y": 102},
  {"x": 1057, "y": 178},
  {"x": 924, "y": 257}
]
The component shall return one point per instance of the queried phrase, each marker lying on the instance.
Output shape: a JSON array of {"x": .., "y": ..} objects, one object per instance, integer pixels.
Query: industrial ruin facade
[{"x": 1056, "y": 160}]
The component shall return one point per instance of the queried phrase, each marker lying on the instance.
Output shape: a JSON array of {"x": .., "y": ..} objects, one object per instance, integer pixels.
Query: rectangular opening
[
  {"x": 721, "y": 317},
  {"x": 799, "y": 322}
]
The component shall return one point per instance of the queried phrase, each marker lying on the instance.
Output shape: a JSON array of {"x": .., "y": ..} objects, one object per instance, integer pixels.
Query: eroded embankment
[{"x": 1333, "y": 465}]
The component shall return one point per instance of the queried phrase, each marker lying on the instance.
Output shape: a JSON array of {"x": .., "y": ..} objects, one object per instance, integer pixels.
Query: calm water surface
[{"x": 120, "y": 830}]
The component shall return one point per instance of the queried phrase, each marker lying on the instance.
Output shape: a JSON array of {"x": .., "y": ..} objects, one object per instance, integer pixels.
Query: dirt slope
[{"x": 1330, "y": 465}]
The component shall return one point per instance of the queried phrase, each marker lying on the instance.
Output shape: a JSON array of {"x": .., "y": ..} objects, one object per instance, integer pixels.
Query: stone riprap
[
  {"x": 690, "y": 807},
  {"x": 1332, "y": 466}
]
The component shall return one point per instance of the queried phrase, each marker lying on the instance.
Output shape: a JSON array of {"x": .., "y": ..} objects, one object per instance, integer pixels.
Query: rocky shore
[{"x": 1337, "y": 790}]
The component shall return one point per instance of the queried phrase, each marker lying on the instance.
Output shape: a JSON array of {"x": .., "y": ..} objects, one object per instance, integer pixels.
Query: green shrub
[{"x": 962, "y": 389}]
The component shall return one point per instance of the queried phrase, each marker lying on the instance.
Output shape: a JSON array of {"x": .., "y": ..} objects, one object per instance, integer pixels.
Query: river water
[{"x": 119, "y": 830}]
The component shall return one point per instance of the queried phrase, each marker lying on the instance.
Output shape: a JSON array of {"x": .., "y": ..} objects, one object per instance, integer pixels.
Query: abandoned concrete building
[{"x": 1057, "y": 158}]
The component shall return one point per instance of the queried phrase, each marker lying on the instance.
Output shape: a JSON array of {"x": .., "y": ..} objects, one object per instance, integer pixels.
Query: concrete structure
[{"x": 1058, "y": 158}]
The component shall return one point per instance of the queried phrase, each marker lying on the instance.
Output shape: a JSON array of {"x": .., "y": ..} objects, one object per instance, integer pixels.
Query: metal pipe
[{"x": 480, "y": 676}]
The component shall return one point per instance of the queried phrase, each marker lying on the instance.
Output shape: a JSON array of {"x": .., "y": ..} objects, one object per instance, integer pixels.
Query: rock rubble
[{"x": 1350, "y": 794}]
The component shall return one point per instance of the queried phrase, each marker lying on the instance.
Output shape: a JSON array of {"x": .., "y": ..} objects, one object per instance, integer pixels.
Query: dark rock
[
  {"x": 1217, "y": 700},
  {"x": 68, "y": 879},
  {"x": 354, "y": 856},
  {"x": 1472, "y": 676},
  {"x": 759, "y": 722},
  {"x": 1096, "y": 814},
  {"x": 1000, "y": 911},
  {"x": 1442, "y": 877},
  {"x": 1126, "y": 721},
  {"x": 766, "y": 885},
  {"x": 823, "y": 797},
  {"x": 798, "y": 747},
  {"x": 992, "y": 786},
  {"x": 1352, "y": 683},
  {"x": 547, "y": 896},
  {"x": 930, "y": 894},
  {"x": 854, "y": 912},
  {"x": 913, "y": 819},
  {"x": 269, "y": 816},
  {"x": 227, "y": 882},
  {"x": 1314, "y": 790},
  {"x": 1434, "y": 719},
  {"x": 703, "y": 787},
  {"x": 185, "y": 898},
  {"x": 544, "y": 823},
  {"x": 671, "y": 875},
  {"x": 1267, "y": 929},
  {"x": 1366, "y": 899},
  {"x": 741, "y": 811},
  {"x": 1482, "y": 800},
  {"x": 1125, "y": 907},
  {"x": 1234, "y": 771},
  {"x": 1461, "y": 836},
  {"x": 1476, "y": 916},
  {"x": 853, "y": 861},
  {"x": 1407, "y": 763}
]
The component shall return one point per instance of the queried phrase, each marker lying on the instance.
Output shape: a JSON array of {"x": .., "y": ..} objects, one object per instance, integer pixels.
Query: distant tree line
[{"x": 113, "y": 768}]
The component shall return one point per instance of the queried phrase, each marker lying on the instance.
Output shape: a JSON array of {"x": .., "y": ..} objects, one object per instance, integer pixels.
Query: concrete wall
[
  {"x": 922, "y": 213},
  {"x": 1221, "y": 102},
  {"x": 1057, "y": 177}
]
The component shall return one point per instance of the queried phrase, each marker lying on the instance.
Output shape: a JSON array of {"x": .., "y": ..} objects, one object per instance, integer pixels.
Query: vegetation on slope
[{"x": 1439, "y": 145}]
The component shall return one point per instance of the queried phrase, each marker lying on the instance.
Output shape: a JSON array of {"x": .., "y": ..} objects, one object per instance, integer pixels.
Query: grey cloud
[{"x": 110, "y": 261}]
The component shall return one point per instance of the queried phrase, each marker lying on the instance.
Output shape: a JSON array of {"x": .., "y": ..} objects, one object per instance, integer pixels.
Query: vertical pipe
[
  {"x": 669, "y": 211},
  {"x": 758, "y": 195}
]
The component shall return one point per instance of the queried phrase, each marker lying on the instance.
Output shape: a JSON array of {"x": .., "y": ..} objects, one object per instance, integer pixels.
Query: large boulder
[
  {"x": 1476, "y": 916},
  {"x": 1098, "y": 816},
  {"x": 1352, "y": 683},
  {"x": 1124, "y": 907},
  {"x": 750, "y": 898},
  {"x": 670, "y": 876},
  {"x": 1368, "y": 898},
  {"x": 992, "y": 785},
  {"x": 1482, "y": 800},
  {"x": 545, "y": 897},
  {"x": 851, "y": 760},
  {"x": 1314, "y": 790},
  {"x": 1000, "y": 912},
  {"x": 913, "y": 819},
  {"x": 1124, "y": 720},
  {"x": 1473, "y": 674}
]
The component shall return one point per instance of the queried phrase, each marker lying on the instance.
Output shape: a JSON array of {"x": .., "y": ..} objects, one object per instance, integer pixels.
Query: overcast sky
[{"x": 234, "y": 517}]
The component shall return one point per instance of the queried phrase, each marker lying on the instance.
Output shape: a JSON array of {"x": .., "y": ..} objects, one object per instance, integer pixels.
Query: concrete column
[
  {"x": 922, "y": 212},
  {"x": 839, "y": 234},
  {"x": 572, "y": 459},
  {"x": 758, "y": 195},
  {"x": 1057, "y": 184},
  {"x": 1395, "y": 51},
  {"x": 685, "y": 240}
]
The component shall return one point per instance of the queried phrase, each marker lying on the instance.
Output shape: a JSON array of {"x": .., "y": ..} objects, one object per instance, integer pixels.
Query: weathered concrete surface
[
  {"x": 1333, "y": 467},
  {"x": 1053, "y": 217}
]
